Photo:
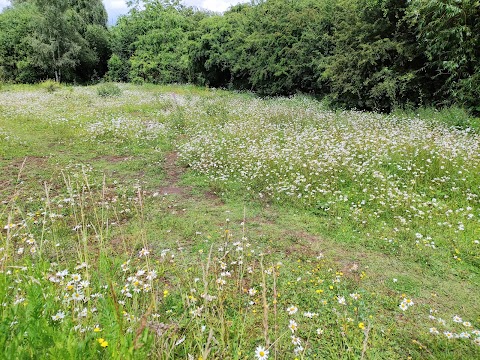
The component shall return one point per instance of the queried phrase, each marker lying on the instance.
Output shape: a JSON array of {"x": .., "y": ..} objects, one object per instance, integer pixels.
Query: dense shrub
[
  {"x": 50, "y": 85},
  {"x": 108, "y": 89}
]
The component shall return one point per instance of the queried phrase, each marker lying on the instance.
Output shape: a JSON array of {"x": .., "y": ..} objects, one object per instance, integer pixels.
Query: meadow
[{"x": 177, "y": 222}]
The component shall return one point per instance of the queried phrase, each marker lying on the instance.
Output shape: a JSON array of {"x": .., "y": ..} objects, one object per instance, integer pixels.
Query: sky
[{"x": 115, "y": 8}]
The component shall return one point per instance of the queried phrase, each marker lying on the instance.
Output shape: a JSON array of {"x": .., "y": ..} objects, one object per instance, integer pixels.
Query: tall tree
[
  {"x": 66, "y": 39},
  {"x": 449, "y": 34},
  {"x": 16, "y": 63},
  {"x": 56, "y": 41},
  {"x": 151, "y": 44}
]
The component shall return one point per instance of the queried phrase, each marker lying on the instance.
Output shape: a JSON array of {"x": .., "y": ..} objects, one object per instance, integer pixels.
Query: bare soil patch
[{"x": 173, "y": 173}]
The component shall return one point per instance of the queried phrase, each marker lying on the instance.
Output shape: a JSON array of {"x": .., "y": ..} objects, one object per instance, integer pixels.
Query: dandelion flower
[
  {"x": 261, "y": 353},
  {"x": 103, "y": 343}
]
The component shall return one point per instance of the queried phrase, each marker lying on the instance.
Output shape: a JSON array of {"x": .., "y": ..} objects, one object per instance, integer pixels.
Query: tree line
[{"x": 366, "y": 54}]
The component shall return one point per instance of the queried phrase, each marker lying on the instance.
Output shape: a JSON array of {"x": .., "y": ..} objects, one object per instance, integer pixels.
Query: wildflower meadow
[{"x": 174, "y": 222}]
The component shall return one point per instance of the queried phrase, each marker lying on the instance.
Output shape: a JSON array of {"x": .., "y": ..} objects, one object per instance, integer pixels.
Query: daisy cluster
[
  {"x": 120, "y": 130},
  {"x": 42, "y": 237},
  {"x": 82, "y": 104},
  {"x": 455, "y": 328},
  {"x": 411, "y": 178}
]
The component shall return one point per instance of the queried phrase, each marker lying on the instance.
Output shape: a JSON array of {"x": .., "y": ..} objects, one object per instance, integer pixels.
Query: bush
[
  {"x": 117, "y": 69},
  {"x": 108, "y": 89},
  {"x": 50, "y": 85}
]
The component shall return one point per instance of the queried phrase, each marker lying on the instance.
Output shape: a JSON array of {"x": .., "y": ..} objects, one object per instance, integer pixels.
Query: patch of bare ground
[
  {"x": 303, "y": 243},
  {"x": 19, "y": 169},
  {"x": 173, "y": 172},
  {"x": 26, "y": 164}
]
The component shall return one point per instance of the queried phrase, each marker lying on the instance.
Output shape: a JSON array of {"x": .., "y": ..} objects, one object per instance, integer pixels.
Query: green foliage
[
  {"x": 108, "y": 89},
  {"x": 117, "y": 68},
  {"x": 289, "y": 41},
  {"x": 217, "y": 49},
  {"x": 65, "y": 40},
  {"x": 449, "y": 32},
  {"x": 55, "y": 43},
  {"x": 373, "y": 64},
  {"x": 366, "y": 54},
  {"x": 16, "y": 62},
  {"x": 50, "y": 85},
  {"x": 153, "y": 43}
]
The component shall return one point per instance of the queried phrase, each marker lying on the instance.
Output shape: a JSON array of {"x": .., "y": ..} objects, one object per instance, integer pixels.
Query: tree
[
  {"x": 152, "y": 43},
  {"x": 375, "y": 63},
  {"x": 16, "y": 63},
  {"x": 63, "y": 39},
  {"x": 55, "y": 42},
  {"x": 448, "y": 32}
]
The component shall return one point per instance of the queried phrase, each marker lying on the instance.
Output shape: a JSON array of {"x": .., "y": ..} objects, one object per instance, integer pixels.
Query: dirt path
[{"x": 173, "y": 174}]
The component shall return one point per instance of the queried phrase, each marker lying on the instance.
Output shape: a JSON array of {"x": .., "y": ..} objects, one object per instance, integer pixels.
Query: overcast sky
[{"x": 118, "y": 7}]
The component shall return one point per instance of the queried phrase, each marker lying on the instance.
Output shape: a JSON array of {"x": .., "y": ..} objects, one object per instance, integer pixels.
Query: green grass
[{"x": 201, "y": 257}]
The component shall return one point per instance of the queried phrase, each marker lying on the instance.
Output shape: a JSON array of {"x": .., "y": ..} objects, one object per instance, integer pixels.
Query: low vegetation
[
  {"x": 178, "y": 222},
  {"x": 108, "y": 89}
]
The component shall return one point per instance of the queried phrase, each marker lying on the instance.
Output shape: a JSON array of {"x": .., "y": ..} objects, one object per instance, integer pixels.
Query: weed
[
  {"x": 50, "y": 85},
  {"x": 108, "y": 89}
]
